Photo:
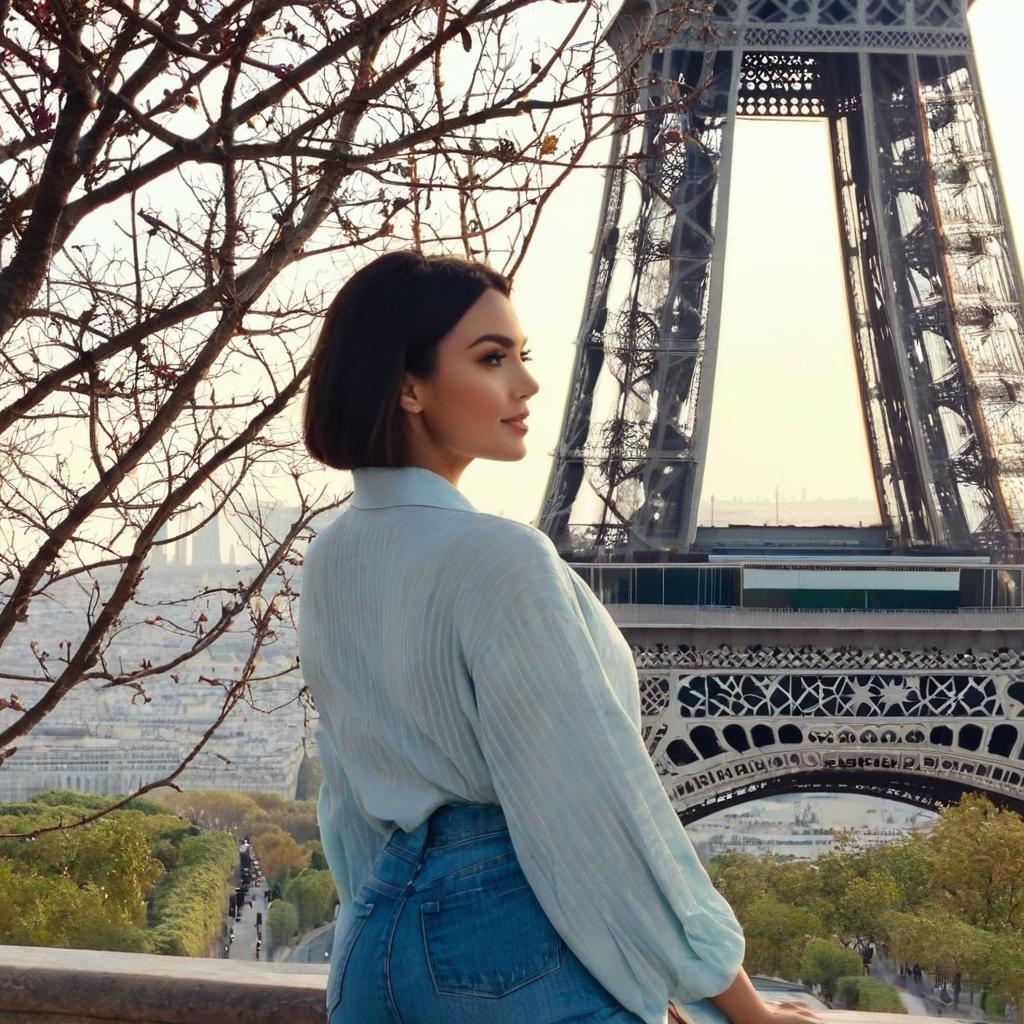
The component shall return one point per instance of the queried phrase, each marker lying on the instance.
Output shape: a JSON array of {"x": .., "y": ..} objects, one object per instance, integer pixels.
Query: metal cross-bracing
[
  {"x": 932, "y": 281},
  {"x": 728, "y": 724},
  {"x": 646, "y": 326}
]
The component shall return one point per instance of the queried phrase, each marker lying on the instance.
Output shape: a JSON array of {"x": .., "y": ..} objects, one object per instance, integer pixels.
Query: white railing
[
  {"x": 967, "y": 588},
  {"x": 659, "y": 616}
]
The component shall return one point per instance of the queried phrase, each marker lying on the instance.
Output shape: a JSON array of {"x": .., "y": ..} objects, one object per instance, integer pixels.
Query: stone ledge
[{"x": 41, "y": 985}]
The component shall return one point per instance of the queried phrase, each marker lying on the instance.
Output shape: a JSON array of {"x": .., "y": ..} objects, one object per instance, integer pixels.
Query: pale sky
[{"x": 785, "y": 410}]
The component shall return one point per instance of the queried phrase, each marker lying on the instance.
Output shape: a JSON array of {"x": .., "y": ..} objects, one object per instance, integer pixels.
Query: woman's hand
[
  {"x": 742, "y": 1004},
  {"x": 790, "y": 1011}
]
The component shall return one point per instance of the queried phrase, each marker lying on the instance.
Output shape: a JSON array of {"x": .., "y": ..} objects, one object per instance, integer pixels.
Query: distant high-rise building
[
  {"x": 181, "y": 549},
  {"x": 206, "y": 544},
  {"x": 276, "y": 523},
  {"x": 158, "y": 552}
]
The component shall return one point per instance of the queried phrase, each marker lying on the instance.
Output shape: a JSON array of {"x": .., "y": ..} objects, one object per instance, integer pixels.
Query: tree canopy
[
  {"x": 138, "y": 880},
  {"x": 948, "y": 899}
]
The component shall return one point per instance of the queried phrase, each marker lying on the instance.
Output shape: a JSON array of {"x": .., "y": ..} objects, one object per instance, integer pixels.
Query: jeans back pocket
[
  {"x": 360, "y": 912},
  {"x": 491, "y": 939}
]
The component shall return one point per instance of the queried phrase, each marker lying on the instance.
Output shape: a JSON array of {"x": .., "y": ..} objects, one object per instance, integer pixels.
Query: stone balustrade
[{"x": 40, "y": 985}]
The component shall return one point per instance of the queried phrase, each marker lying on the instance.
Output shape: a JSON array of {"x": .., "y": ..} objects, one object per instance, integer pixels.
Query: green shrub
[
  {"x": 846, "y": 990},
  {"x": 869, "y": 995},
  {"x": 98, "y": 885},
  {"x": 282, "y": 922},
  {"x": 994, "y": 1005},
  {"x": 313, "y": 894},
  {"x": 824, "y": 962},
  {"x": 317, "y": 858},
  {"x": 878, "y": 997},
  {"x": 189, "y": 906},
  {"x": 86, "y": 802}
]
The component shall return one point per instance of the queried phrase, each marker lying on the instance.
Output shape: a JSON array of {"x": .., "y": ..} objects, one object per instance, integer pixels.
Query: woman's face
[{"x": 481, "y": 380}]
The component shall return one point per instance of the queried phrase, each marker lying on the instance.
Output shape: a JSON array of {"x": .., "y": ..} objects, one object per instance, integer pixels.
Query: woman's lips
[{"x": 519, "y": 425}]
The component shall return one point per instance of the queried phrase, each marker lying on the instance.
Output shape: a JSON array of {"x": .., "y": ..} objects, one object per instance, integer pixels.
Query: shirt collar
[{"x": 384, "y": 486}]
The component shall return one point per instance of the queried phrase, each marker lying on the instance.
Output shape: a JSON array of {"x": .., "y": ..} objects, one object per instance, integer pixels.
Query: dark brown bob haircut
[{"x": 387, "y": 319}]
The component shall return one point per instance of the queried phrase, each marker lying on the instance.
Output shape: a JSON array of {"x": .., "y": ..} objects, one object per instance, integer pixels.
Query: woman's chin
[{"x": 507, "y": 453}]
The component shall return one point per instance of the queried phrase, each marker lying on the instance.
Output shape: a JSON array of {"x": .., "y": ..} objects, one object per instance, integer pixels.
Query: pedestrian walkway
[
  {"x": 912, "y": 993},
  {"x": 243, "y": 945},
  {"x": 918, "y": 996}
]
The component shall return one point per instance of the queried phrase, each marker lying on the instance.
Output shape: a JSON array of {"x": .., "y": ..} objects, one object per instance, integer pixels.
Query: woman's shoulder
[
  {"x": 490, "y": 537},
  {"x": 496, "y": 560}
]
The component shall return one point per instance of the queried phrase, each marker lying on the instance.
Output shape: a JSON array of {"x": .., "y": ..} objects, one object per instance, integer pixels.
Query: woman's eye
[{"x": 525, "y": 356}]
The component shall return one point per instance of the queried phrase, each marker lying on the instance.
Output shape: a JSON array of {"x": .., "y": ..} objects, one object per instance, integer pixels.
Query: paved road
[
  {"x": 243, "y": 945},
  {"x": 314, "y": 948}
]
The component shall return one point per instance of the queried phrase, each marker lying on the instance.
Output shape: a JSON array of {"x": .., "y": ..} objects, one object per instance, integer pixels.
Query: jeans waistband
[
  {"x": 451, "y": 830},
  {"x": 450, "y": 824}
]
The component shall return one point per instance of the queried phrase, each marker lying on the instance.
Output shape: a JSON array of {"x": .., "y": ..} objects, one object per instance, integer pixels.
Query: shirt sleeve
[{"x": 592, "y": 826}]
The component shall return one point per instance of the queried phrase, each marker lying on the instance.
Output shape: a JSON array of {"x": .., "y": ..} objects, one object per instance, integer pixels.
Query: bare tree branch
[{"x": 178, "y": 193}]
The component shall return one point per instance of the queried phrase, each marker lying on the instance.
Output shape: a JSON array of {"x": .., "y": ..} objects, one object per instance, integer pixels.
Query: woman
[{"x": 502, "y": 845}]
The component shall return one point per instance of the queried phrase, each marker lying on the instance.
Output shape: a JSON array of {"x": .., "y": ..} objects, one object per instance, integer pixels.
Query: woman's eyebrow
[{"x": 501, "y": 339}]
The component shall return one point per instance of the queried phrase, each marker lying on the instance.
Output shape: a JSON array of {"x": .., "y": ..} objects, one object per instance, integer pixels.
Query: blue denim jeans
[{"x": 446, "y": 930}]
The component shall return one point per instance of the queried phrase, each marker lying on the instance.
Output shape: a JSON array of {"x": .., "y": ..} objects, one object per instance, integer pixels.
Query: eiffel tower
[
  {"x": 932, "y": 280},
  {"x": 889, "y": 664}
]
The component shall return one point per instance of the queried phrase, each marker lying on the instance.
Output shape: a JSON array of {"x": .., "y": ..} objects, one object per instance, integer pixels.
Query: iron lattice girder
[
  {"x": 929, "y": 793},
  {"x": 932, "y": 283},
  {"x": 833, "y": 25},
  {"x": 728, "y": 724},
  {"x": 884, "y": 13},
  {"x": 780, "y": 84}
]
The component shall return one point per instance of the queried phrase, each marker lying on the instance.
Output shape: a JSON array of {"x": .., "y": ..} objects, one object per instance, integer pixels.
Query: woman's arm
[
  {"x": 742, "y": 1004},
  {"x": 595, "y": 832}
]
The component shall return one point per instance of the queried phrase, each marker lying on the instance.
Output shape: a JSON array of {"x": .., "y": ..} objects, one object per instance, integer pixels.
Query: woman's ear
[{"x": 408, "y": 400}]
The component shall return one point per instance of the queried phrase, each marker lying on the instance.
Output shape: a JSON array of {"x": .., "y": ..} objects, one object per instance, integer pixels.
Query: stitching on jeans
[
  {"x": 386, "y": 888},
  {"x": 392, "y": 1005},
  {"x": 399, "y": 853},
  {"x": 472, "y": 869},
  {"x": 426, "y": 948},
  {"x": 358, "y": 922},
  {"x": 481, "y": 995},
  {"x": 464, "y": 837}
]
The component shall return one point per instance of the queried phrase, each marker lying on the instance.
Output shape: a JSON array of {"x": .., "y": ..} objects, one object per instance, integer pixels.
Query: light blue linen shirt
[{"x": 454, "y": 657}]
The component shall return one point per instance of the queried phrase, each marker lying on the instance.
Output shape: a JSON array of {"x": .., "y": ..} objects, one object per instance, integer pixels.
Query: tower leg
[
  {"x": 701, "y": 380},
  {"x": 568, "y": 468},
  {"x": 927, "y": 425},
  {"x": 681, "y": 377},
  {"x": 895, "y": 462},
  {"x": 652, "y": 323},
  {"x": 983, "y": 283}
]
